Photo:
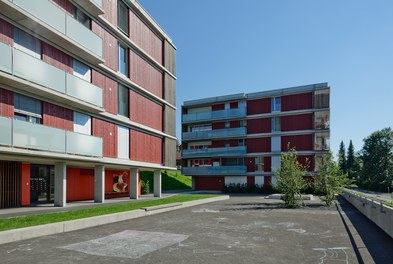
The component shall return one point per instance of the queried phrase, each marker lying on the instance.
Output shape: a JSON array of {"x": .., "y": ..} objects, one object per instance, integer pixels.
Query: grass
[
  {"x": 171, "y": 180},
  {"x": 41, "y": 219}
]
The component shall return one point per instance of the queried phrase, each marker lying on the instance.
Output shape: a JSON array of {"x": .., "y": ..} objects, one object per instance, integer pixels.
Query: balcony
[
  {"x": 322, "y": 141},
  {"x": 51, "y": 22},
  {"x": 21, "y": 134},
  {"x": 214, "y": 115},
  {"x": 219, "y": 133},
  {"x": 34, "y": 70},
  {"x": 94, "y": 7},
  {"x": 209, "y": 170},
  {"x": 210, "y": 152}
]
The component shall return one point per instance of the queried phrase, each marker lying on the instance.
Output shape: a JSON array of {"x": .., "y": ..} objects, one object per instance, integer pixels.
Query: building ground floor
[{"x": 57, "y": 182}]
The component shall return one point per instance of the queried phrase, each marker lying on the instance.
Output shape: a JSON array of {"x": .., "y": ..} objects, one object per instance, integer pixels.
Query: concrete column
[
  {"x": 157, "y": 183},
  {"x": 134, "y": 183},
  {"x": 60, "y": 184},
  {"x": 99, "y": 184}
]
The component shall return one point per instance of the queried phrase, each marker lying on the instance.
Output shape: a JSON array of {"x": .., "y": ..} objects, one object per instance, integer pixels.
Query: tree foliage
[
  {"x": 342, "y": 161},
  {"x": 290, "y": 181},
  {"x": 353, "y": 163},
  {"x": 377, "y": 158}
]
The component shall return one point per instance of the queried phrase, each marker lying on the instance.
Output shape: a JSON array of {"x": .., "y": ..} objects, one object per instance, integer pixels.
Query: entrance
[{"x": 42, "y": 184}]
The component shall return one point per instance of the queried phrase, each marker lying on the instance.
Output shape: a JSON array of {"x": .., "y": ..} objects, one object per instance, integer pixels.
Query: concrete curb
[{"x": 67, "y": 226}]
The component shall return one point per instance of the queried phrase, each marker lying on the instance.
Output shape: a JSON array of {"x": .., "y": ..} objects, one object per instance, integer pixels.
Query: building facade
[
  {"x": 87, "y": 100},
  {"x": 239, "y": 138}
]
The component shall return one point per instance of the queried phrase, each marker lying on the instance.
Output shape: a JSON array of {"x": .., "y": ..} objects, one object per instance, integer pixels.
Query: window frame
[
  {"x": 120, "y": 4},
  {"x": 123, "y": 60},
  {"x": 122, "y": 89}
]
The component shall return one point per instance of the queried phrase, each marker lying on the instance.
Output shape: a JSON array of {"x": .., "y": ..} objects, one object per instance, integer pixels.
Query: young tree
[
  {"x": 342, "y": 162},
  {"x": 290, "y": 179},
  {"x": 377, "y": 157},
  {"x": 329, "y": 179}
]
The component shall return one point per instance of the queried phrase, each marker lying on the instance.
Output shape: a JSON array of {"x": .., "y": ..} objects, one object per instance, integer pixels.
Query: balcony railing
[
  {"x": 208, "y": 170},
  {"x": 57, "y": 19},
  {"x": 208, "y": 152},
  {"x": 219, "y": 133},
  {"x": 27, "y": 135},
  {"x": 29, "y": 68},
  {"x": 213, "y": 115}
]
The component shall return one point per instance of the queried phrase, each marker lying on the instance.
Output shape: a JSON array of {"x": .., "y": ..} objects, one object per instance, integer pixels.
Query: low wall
[{"x": 379, "y": 213}]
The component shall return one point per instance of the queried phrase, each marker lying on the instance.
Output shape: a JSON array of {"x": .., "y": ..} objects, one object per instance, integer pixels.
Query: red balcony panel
[
  {"x": 6, "y": 32},
  {"x": 260, "y": 125},
  {"x": 57, "y": 116},
  {"x": 145, "y": 147},
  {"x": 108, "y": 132},
  {"x": 217, "y": 107},
  {"x": 56, "y": 57},
  {"x": 296, "y": 102},
  {"x": 109, "y": 88},
  {"x": 297, "y": 122},
  {"x": 218, "y": 125},
  {"x": 259, "y": 106},
  {"x": 145, "y": 111},
  {"x": 209, "y": 183},
  {"x": 109, "y": 45},
  {"x": 6, "y": 103},
  {"x": 299, "y": 142},
  {"x": 258, "y": 145}
]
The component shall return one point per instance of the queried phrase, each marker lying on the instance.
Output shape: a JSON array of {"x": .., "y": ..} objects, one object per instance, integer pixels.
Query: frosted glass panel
[
  {"x": 5, "y": 131},
  {"x": 123, "y": 142},
  {"x": 83, "y": 144}
]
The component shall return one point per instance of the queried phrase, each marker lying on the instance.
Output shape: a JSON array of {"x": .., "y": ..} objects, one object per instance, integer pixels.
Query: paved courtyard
[{"x": 238, "y": 230}]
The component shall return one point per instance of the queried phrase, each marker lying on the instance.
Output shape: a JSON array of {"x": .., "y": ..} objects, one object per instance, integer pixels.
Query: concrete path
[{"x": 239, "y": 230}]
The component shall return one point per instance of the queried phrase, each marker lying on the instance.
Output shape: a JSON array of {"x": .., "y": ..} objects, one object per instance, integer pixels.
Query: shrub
[{"x": 145, "y": 187}]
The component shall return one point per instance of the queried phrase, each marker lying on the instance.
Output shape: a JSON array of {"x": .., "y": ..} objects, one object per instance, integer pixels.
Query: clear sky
[{"x": 235, "y": 46}]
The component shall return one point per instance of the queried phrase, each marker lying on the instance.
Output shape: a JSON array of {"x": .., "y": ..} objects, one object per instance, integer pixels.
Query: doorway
[{"x": 42, "y": 184}]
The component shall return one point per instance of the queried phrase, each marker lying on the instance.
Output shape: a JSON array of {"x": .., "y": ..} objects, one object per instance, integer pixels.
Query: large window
[
  {"x": 123, "y": 100},
  {"x": 276, "y": 125},
  {"x": 123, "y": 60},
  {"x": 122, "y": 16},
  {"x": 82, "y": 123},
  {"x": 259, "y": 164},
  {"x": 27, "y": 43},
  {"x": 27, "y": 109},
  {"x": 276, "y": 104},
  {"x": 82, "y": 70}
]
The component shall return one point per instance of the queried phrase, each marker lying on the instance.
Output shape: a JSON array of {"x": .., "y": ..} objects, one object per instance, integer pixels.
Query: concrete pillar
[
  {"x": 99, "y": 184},
  {"x": 134, "y": 173},
  {"x": 157, "y": 183},
  {"x": 60, "y": 184}
]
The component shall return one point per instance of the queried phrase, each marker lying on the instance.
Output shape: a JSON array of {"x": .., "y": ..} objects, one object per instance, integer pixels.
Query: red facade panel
[
  {"x": 109, "y": 46},
  {"x": 259, "y": 106},
  {"x": 6, "y": 103},
  {"x": 267, "y": 164},
  {"x": 108, "y": 132},
  {"x": 250, "y": 180},
  {"x": 209, "y": 183},
  {"x": 258, "y": 145},
  {"x": 56, "y": 57},
  {"x": 299, "y": 142},
  {"x": 217, "y": 107},
  {"x": 296, "y": 102},
  {"x": 109, "y": 88},
  {"x": 25, "y": 185},
  {"x": 250, "y": 164},
  {"x": 234, "y": 124},
  {"x": 146, "y": 75},
  {"x": 260, "y": 125},
  {"x": 218, "y": 143},
  {"x": 6, "y": 32},
  {"x": 57, "y": 116},
  {"x": 66, "y": 5},
  {"x": 218, "y": 125},
  {"x": 145, "y": 147},
  {"x": 233, "y": 105},
  {"x": 307, "y": 161},
  {"x": 145, "y": 111},
  {"x": 80, "y": 184},
  {"x": 297, "y": 122},
  {"x": 110, "y": 9},
  {"x": 234, "y": 142},
  {"x": 144, "y": 37}
]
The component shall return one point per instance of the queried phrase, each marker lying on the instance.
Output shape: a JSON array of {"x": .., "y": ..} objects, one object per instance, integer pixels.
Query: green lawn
[
  {"x": 33, "y": 220},
  {"x": 171, "y": 180}
]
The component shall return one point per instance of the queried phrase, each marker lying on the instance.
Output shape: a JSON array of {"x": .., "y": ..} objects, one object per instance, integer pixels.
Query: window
[
  {"x": 123, "y": 60},
  {"x": 27, "y": 109},
  {"x": 234, "y": 161},
  {"x": 81, "y": 70},
  {"x": 259, "y": 164},
  {"x": 123, "y": 101},
  {"x": 27, "y": 43},
  {"x": 276, "y": 124},
  {"x": 82, "y": 18},
  {"x": 243, "y": 123},
  {"x": 82, "y": 123},
  {"x": 276, "y": 104},
  {"x": 123, "y": 142},
  {"x": 242, "y": 142},
  {"x": 227, "y": 124},
  {"x": 122, "y": 16}
]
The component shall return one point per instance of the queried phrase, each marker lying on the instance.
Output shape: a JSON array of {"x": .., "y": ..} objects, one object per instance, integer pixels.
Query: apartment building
[
  {"x": 87, "y": 100},
  {"x": 239, "y": 138}
]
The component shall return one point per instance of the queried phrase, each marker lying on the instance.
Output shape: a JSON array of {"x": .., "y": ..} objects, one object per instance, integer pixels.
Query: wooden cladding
[
  {"x": 170, "y": 57},
  {"x": 109, "y": 87},
  {"x": 170, "y": 121},
  {"x": 297, "y": 122},
  {"x": 6, "y": 32},
  {"x": 56, "y": 57},
  {"x": 170, "y": 152},
  {"x": 145, "y": 111},
  {"x": 108, "y": 132},
  {"x": 110, "y": 11},
  {"x": 299, "y": 142},
  {"x": 296, "y": 102},
  {"x": 259, "y": 145},
  {"x": 170, "y": 89},
  {"x": 57, "y": 116},
  {"x": 259, "y": 106},
  {"x": 109, "y": 46},
  {"x": 80, "y": 184},
  {"x": 145, "y": 75},
  {"x": 261, "y": 125},
  {"x": 6, "y": 103},
  {"x": 145, "y": 38},
  {"x": 145, "y": 147},
  {"x": 10, "y": 184}
]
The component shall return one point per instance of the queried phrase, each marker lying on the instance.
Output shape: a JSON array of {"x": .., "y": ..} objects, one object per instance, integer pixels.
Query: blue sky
[{"x": 228, "y": 46}]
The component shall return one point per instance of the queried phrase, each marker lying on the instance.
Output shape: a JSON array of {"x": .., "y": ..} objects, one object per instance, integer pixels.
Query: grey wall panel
[
  {"x": 170, "y": 152},
  {"x": 170, "y": 89},
  {"x": 170, "y": 121},
  {"x": 170, "y": 57}
]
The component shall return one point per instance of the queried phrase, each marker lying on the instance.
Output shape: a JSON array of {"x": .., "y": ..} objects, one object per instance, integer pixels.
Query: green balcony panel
[
  {"x": 6, "y": 58},
  {"x": 82, "y": 144},
  {"x": 84, "y": 36},
  {"x": 35, "y": 136},
  {"x": 83, "y": 90},
  {"x": 5, "y": 131},
  {"x": 35, "y": 70}
]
